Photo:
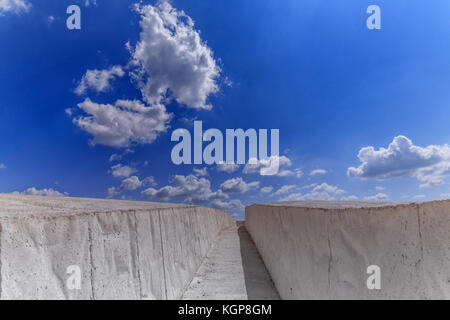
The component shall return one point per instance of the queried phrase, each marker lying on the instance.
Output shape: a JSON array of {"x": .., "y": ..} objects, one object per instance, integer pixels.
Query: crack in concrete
[
  {"x": 138, "y": 264},
  {"x": 162, "y": 255},
  {"x": 91, "y": 263},
  {"x": 330, "y": 260},
  {"x": 420, "y": 233}
]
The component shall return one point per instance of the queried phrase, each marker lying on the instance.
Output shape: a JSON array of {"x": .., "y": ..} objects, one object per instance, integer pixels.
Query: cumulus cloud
[
  {"x": 377, "y": 197},
  {"x": 322, "y": 191},
  {"x": 124, "y": 123},
  {"x": 350, "y": 198},
  {"x": 402, "y": 158},
  {"x": 190, "y": 188},
  {"x": 266, "y": 189},
  {"x": 15, "y": 6},
  {"x": 87, "y": 3},
  {"x": 227, "y": 167},
  {"x": 317, "y": 172},
  {"x": 238, "y": 185},
  {"x": 121, "y": 171},
  {"x": 171, "y": 60},
  {"x": 201, "y": 172},
  {"x": 229, "y": 205},
  {"x": 255, "y": 165},
  {"x": 149, "y": 181},
  {"x": 115, "y": 157},
  {"x": 309, "y": 186},
  {"x": 284, "y": 189},
  {"x": 130, "y": 184},
  {"x": 98, "y": 80},
  {"x": 42, "y": 192}
]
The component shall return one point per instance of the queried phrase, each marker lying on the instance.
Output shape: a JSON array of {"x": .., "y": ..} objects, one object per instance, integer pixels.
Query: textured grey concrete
[
  {"x": 321, "y": 250},
  {"x": 125, "y": 249},
  {"x": 333, "y": 204},
  {"x": 12, "y": 205},
  {"x": 232, "y": 270}
]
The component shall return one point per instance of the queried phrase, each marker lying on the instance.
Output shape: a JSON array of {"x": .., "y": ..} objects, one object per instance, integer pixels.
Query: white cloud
[
  {"x": 419, "y": 196},
  {"x": 238, "y": 185},
  {"x": 115, "y": 157},
  {"x": 402, "y": 158},
  {"x": 229, "y": 205},
  {"x": 309, "y": 186},
  {"x": 2, "y": 166},
  {"x": 323, "y": 191},
  {"x": 130, "y": 184},
  {"x": 149, "y": 181},
  {"x": 266, "y": 189},
  {"x": 317, "y": 171},
  {"x": 171, "y": 58},
  {"x": 120, "y": 171},
  {"x": 201, "y": 172},
  {"x": 255, "y": 165},
  {"x": 16, "y": 6},
  {"x": 445, "y": 195},
  {"x": 42, "y": 192},
  {"x": 284, "y": 189},
  {"x": 190, "y": 188},
  {"x": 285, "y": 173},
  {"x": 98, "y": 80},
  {"x": 293, "y": 197},
  {"x": 87, "y": 3},
  {"x": 377, "y": 197},
  {"x": 298, "y": 173},
  {"x": 169, "y": 61},
  {"x": 350, "y": 198},
  {"x": 379, "y": 188},
  {"x": 123, "y": 123},
  {"x": 118, "y": 157},
  {"x": 227, "y": 167},
  {"x": 68, "y": 111}
]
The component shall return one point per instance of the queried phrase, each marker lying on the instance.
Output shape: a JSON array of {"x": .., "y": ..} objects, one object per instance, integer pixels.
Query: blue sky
[{"x": 310, "y": 68}]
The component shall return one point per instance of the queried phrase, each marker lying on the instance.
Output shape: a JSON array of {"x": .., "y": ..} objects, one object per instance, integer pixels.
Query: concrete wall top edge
[
  {"x": 346, "y": 205},
  {"x": 22, "y": 206}
]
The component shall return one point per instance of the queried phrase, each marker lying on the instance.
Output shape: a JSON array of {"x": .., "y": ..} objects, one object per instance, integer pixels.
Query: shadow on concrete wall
[{"x": 258, "y": 283}]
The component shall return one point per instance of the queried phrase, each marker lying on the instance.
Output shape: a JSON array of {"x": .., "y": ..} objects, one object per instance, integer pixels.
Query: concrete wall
[
  {"x": 322, "y": 251},
  {"x": 128, "y": 254}
]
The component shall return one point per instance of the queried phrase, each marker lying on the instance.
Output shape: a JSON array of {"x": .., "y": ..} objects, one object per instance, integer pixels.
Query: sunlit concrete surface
[
  {"x": 12, "y": 205},
  {"x": 124, "y": 249},
  {"x": 232, "y": 270},
  {"x": 322, "y": 250}
]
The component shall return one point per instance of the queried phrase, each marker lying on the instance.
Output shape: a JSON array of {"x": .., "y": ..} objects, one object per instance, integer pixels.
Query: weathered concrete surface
[
  {"x": 233, "y": 270},
  {"x": 321, "y": 250},
  {"x": 125, "y": 249}
]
